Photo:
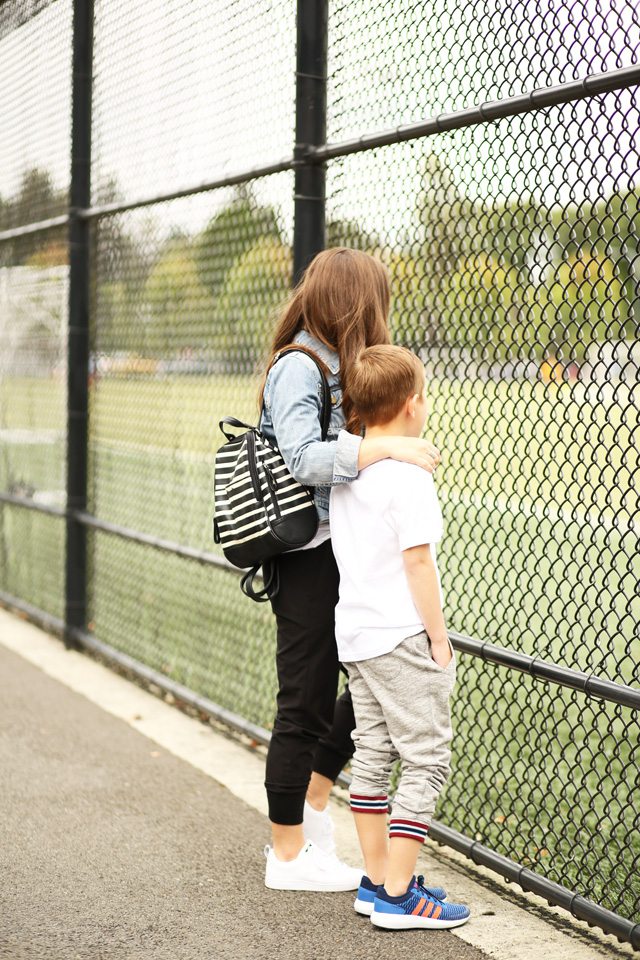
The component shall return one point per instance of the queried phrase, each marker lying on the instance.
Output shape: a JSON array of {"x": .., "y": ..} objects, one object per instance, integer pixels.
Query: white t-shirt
[{"x": 388, "y": 508}]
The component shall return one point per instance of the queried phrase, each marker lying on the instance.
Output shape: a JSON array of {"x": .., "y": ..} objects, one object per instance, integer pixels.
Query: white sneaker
[
  {"x": 312, "y": 869},
  {"x": 317, "y": 826}
]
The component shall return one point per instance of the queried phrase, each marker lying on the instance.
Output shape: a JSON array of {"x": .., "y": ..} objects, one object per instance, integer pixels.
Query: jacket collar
[{"x": 329, "y": 356}]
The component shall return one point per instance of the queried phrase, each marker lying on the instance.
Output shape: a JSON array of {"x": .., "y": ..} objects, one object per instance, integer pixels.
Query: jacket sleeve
[{"x": 294, "y": 402}]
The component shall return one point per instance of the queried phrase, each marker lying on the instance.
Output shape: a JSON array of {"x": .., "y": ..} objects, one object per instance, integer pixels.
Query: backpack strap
[
  {"x": 325, "y": 415},
  {"x": 271, "y": 580}
]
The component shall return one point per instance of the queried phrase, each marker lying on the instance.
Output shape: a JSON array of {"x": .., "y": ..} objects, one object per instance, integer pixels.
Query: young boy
[{"x": 393, "y": 641}]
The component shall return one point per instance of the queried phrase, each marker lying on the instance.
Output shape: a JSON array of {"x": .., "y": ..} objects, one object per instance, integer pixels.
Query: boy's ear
[{"x": 411, "y": 405}]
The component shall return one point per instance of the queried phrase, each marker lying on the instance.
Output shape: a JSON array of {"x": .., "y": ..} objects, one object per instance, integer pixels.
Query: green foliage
[
  {"x": 481, "y": 307},
  {"x": 504, "y": 280},
  {"x": 585, "y": 302},
  {"x": 177, "y": 305},
  {"x": 349, "y": 233},
  {"x": 37, "y": 199},
  {"x": 255, "y": 286},
  {"x": 233, "y": 231},
  {"x": 516, "y": 280}
]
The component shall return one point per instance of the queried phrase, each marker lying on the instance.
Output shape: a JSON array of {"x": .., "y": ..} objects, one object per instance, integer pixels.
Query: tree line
[{"x": 501, "y": 281}]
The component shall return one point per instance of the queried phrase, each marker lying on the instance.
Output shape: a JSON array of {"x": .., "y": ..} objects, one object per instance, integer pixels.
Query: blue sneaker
[
  {"x": 416, "y": 909},
  {"x": 367, "y": 893}
]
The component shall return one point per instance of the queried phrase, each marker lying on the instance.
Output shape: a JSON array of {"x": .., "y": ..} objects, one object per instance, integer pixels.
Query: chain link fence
[{"x": 510, "y": 232}]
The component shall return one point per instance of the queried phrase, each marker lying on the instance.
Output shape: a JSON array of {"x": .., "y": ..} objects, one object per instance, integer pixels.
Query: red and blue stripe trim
[
  {"x": 360, "y": 804},
  {"x": 408, "y": 828}
]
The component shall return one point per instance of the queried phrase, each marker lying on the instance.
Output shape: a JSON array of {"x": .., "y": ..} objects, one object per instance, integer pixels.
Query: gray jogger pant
[{"x": 401, "y": 705}]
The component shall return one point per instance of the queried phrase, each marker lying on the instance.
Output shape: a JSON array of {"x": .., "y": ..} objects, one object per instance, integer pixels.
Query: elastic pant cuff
[
  {"x": 360, "y": 804},
  {"x": 412, "y": 829}
]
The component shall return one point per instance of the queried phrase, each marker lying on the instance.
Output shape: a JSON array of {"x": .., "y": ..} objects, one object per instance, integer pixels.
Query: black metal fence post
[
  {"x": 79, "y": 304},
  {"x": 311, "y": 130}
]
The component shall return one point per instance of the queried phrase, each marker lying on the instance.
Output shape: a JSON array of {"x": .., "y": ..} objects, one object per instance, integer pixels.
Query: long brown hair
[{"x": 343, "y": 301}]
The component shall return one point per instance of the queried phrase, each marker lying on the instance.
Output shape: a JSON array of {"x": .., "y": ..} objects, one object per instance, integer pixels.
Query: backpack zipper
[
  {"x": 255, "y": 478},
  {"x": 251, "y": 460}
]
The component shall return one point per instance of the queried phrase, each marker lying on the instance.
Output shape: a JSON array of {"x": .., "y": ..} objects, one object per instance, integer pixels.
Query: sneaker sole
[
  {"x": 390, "y": 921},
  {"x": 312, "y": 885},
  {"x": 363, "y": 908}
]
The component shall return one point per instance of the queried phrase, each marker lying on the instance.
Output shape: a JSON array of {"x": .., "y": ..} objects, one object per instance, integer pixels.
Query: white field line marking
[
  {"x": 169, "y": 453},
  {"x": 599, "y": 521},
  {"x": 31, "y": 437}
]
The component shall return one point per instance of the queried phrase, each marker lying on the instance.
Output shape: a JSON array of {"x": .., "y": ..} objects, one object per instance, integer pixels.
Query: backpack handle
[
  {"x": 271, "y": 580},
  {"x": 233, "y": 422}
]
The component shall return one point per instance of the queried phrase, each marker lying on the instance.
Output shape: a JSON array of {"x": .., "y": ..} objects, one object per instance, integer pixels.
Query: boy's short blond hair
[{"x": 381, "y": 380}]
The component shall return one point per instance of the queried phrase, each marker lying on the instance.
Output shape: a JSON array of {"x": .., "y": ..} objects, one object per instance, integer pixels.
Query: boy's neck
[{"x": 398, "y": 427}]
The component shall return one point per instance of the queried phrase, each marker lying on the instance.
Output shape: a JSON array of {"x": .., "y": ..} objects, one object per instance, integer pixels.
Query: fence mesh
[
  {"x": 34, "y": 176},
  {"x": 512, "y": 250},
  {"x": 180, "y": 329},
  {"x": 513, "y": 255}
]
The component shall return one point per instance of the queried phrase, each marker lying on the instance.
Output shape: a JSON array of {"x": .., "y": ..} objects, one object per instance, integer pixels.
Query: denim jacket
[{"x": 290, "y": 418}]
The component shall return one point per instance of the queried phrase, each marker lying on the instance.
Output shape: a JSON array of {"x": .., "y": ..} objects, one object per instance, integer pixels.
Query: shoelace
[{"x": 422, "y": 890}]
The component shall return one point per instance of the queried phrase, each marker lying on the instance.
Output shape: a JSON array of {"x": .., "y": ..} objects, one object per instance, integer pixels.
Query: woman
[{"x": 340, "y": 307}]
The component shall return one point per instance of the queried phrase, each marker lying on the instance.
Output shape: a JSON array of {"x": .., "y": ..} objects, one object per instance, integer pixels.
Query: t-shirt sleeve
[{"x": 414, "y": 511}]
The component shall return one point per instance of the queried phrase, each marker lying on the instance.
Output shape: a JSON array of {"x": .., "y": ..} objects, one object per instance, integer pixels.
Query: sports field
[
  {"x": 540, "y": 554},
  {"x": 537, "y": 486}
]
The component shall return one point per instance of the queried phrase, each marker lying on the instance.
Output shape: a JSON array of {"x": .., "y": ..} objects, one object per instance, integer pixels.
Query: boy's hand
[
  {"x": 441, "y": 653},
  {"x": 422, "y": 578}
]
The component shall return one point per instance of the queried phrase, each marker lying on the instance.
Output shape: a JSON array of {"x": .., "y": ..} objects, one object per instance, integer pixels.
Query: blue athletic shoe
[
  {"x": 367, "y": 893},
  {"x": 416, "y": 909}
]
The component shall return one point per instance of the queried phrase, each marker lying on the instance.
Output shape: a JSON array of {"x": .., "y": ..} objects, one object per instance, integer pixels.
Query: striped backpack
[{"x": 260, "y": 510}]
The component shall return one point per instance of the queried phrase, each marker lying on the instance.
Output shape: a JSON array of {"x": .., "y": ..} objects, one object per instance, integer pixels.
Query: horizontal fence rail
[
  {"x": 540, "y": 98},
  {"x": 483, "y": 113},
  {"x": 30, "y": 228},
  {"x": 589, "y": 684}
]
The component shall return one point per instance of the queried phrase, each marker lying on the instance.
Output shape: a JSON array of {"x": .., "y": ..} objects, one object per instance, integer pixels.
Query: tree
[
  {"x": 444, "y": 214},
  {"x": 256, "y": 285},
  {"x": 122, "y": 264},
  {"x": 585, "y": 302},
  {"x": 349, "y": 233},
  {"x": 607, "y": 230},
  {"x": 37, "y": 199},
  {"x": 233, "y": 231},
  {"x": 177, "y": 305}
]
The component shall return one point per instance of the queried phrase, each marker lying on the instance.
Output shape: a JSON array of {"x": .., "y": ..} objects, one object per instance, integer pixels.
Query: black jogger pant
[{"x": 312, "y": 730}]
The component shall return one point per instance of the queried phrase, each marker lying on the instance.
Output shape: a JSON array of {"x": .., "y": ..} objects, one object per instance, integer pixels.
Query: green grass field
[{"x": 538, "y": 496}]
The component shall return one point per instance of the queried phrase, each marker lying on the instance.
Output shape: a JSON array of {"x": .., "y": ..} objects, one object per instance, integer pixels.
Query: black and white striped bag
[{"x": 260, "y": 510}]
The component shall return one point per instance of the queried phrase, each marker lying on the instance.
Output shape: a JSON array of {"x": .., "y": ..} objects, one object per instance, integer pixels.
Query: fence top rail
[{"x": 538, "y": 99}]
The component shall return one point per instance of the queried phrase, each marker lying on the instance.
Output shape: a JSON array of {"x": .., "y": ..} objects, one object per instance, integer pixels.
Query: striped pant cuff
[
  {"x": 361, "y": 804},
  {"x": 408, "y": 828}
]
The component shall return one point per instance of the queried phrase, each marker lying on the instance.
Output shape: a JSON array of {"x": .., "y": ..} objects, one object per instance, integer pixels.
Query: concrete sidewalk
[{"x": 117, "y": 842}]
